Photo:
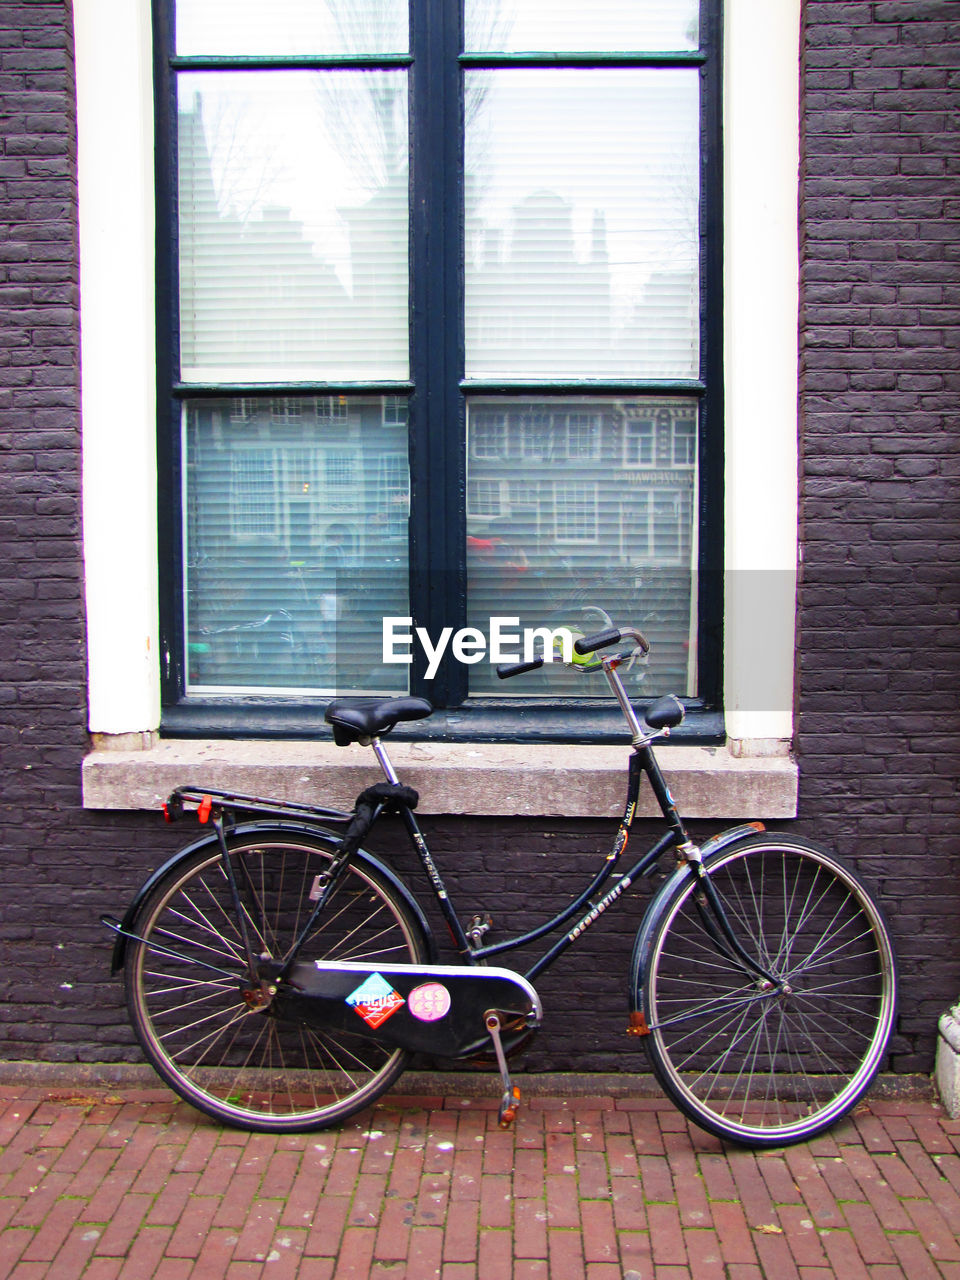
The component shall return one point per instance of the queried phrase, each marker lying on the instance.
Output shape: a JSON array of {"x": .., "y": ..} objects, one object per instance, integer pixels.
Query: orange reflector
[
  {"x": 203, "y": 809},
  {"x": 638, "y": 1025},
  {"x": 757, "y": 826}
]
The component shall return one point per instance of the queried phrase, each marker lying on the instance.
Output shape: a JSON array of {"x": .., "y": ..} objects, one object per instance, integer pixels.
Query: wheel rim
[
  {"x": 248, "y": 1065},
  {"x": 761, "y": 1061}
]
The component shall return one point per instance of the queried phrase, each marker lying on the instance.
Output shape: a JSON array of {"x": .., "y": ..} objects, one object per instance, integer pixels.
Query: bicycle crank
[{"x": 510, "y": 1100}]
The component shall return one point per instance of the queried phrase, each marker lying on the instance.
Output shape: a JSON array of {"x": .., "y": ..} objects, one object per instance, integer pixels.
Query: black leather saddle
[
  {"x": 665, "y": 713},
  {"x": 360, "y": 719}
]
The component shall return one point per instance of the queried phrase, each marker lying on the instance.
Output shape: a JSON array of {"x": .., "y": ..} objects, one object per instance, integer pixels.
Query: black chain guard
[{"x": 434, "y": 1009}]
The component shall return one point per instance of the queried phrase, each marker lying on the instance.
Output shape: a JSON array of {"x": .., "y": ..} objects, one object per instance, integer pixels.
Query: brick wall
[
  {"x": 878, "y": 670},
  {"x": 41, "y": 604},
  {"x": 879, "y": 655}
]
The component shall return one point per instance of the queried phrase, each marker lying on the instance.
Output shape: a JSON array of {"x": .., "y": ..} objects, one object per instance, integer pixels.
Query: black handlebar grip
[
  {"x": 599, "y": 640},
  {"x": 506, "y": 670}
]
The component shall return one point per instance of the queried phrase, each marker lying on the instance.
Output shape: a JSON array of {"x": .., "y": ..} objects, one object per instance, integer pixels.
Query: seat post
[{"x": 381, "y": 753}]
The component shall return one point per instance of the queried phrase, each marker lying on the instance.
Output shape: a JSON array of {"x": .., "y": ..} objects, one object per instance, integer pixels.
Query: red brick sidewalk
[{"x": 98, "y": 1185}]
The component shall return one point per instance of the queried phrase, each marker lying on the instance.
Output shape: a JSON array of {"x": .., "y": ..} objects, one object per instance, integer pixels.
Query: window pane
[
  {"x": 290, "y": 26},
  {"x": 582, "y": 223},
  {"x": 519, "y": 26},
  {"x": 579, "y": 510},
  {"x": 295, "y": 542},
  {"x": 293, "y": 226}
]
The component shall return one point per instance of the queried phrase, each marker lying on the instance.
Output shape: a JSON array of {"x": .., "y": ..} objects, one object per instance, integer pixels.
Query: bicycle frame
[{"x": 642, "y": 762}]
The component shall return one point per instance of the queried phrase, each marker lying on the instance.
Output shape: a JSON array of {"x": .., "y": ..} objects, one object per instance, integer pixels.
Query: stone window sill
[{"x": 457, "y": 778}]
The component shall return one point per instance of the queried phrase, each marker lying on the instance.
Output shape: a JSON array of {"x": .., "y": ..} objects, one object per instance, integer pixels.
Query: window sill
[{"x": 452, "y": 778}]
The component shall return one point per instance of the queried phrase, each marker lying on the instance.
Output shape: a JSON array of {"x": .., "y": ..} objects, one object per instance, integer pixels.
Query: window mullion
[
  {"x": 710, "y": 583},
  {"x": 437, "y": 520}
]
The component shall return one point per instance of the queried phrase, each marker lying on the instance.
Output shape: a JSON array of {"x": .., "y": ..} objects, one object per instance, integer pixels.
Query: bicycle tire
[
  {"x": 251, "y": 1068},
  {"x": 747, "y": 1060}
]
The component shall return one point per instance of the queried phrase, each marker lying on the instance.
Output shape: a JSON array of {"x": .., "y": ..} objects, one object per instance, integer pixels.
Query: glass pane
[
  {"x": 523, "y": 26},
  {"x": 230, "y": 27},
  {"x": 581, "y": 511},
  {"x": 295, "y": 542},
  {"x": 293, "y": 226},
  {"x": 582, "y": 224}
]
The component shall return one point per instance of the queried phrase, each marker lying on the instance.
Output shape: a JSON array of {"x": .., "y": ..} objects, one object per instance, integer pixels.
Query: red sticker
[{"x": 375, "y": 1000}]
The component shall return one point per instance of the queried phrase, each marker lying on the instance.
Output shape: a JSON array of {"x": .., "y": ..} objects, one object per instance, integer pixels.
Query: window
[
  {"x": 446, "y": 353},
  {"x": 575, "y": 507}
]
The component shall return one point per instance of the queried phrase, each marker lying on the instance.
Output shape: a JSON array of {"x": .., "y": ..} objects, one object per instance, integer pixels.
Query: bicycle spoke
[
  {"x": 776, "y": 1061},
  {"x": 259, "y": 1066}
]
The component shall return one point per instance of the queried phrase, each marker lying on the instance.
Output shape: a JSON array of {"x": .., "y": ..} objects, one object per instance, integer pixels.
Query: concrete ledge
[{"x": 454, "y": 778}]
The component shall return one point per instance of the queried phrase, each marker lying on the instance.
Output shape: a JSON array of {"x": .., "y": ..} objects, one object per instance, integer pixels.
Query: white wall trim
[
  {"x": 761, "y": 158},
  {"x": 761, "y": 145},
  {"x": 117, "y": 325}
]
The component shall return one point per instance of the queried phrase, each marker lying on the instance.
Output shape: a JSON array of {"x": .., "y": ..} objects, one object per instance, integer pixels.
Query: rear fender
[
  {"x": 651, "y": 918},
  {"x": 209, "y": 841}
]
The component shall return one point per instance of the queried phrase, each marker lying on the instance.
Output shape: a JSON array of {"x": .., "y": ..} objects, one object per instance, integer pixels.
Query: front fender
[
  {"x": 252, "y": 828},
  {"x": 651, "y": 917}
]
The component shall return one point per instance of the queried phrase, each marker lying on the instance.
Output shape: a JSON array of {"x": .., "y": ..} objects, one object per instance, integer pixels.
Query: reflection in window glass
[
  {"x": 602, "y": 526},
  {"x": 582, "y": 212},
  {"x": 295, "y": 537},
  {"x": 515, "y": 26},
  {"x": 293, "y": 226},
  {"x": 290, "y": 26}
]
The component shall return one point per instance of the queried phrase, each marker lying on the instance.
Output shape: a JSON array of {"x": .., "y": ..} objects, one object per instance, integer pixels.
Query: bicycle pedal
[{"x": 509, "y": 1106}]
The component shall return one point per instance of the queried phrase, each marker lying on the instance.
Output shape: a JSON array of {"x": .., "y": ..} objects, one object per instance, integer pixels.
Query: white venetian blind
[
  {"x": 510, "y": 26},
  {"x": 579, "y": 509},
  {"x": 293, "y": 226},
  {"x": 291, "y": 26},
  {"x": 295, "y": 542},
  {"x": 582, "y": 217}
]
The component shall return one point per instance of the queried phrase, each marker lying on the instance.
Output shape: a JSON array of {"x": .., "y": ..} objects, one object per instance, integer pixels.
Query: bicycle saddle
[
  {"x": 356, "y": 719},
  {"x": 665, "y": 713}
]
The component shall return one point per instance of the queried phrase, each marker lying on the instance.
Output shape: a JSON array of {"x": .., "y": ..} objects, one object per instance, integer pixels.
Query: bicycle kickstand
[{"x": 510, "y": 1101}]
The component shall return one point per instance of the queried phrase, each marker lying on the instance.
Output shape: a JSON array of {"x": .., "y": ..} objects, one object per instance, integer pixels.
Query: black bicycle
[{"x": 279, "y": 977}]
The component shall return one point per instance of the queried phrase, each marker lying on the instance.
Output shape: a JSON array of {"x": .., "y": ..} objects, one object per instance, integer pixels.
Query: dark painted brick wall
[
  {"x": 880, "y": 324},
  {"x": 878, "y": 673}
]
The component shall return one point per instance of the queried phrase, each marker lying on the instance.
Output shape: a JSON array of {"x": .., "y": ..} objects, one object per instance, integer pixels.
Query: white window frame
[
  {"x": 255, "y": 504},
  {"x": 631, "y": 436},
  {"x": 485, "y": 498},
  {"x": 576, "y": 512},
  {"x": 117, "y": 210}
]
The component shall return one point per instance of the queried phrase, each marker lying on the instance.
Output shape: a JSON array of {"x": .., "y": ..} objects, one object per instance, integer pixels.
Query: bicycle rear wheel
[
  {"x": 768, "y": 1063},
  {"x": 247, "y": 1066}
]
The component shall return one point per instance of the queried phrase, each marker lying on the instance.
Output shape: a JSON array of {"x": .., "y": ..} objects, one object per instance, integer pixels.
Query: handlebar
[
  {"x": 612, "y": 635},
  {"x": 582, "y": 646}
]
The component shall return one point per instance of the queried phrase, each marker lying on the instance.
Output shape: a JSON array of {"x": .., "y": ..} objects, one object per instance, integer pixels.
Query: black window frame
[{"x": 438, "y": 394}]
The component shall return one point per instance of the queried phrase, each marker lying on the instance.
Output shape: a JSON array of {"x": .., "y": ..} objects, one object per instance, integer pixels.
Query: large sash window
[{"x": 439, "y": 294}]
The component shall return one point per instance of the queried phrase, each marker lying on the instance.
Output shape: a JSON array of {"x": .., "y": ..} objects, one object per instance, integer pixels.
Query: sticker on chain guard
[
  {"x": 375, "y": 1000},
  {"x": 429, "y": 1002}
]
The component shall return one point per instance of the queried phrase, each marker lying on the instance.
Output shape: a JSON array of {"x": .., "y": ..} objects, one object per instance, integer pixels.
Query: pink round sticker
[{"x": 429, "y": 1003}]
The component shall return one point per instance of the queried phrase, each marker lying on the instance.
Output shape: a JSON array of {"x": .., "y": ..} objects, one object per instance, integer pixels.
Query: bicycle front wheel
[
  {"x": 255, "y": 1067},
  {"x": 775, "y": 1059}
]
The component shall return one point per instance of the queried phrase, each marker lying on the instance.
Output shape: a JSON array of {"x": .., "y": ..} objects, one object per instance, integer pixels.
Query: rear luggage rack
[{"x": 203, "y": 800}]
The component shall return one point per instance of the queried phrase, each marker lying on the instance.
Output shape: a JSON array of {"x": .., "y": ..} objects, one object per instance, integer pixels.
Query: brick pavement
[{"x": 102, "y": 1184}]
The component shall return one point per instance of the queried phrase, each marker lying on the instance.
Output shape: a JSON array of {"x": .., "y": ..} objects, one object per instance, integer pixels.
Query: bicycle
[{"x": 278, "y": 976}]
